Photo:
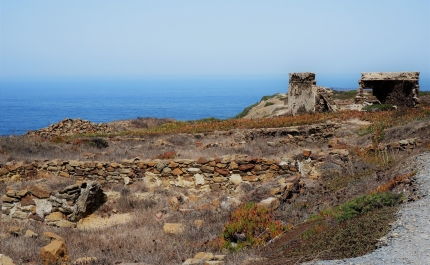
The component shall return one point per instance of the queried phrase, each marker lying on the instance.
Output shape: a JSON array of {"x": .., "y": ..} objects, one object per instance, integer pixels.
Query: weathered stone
[
  {"x": 30, "y": 234},
  {"x": 43, "y": 207},
  {"x": 5, "y": 260},
  {"x": 21, "y": 193},
  {"x": 250, "y": 178},
  {"x": 8, "y": 199},
  {"x": 198, "y": 223},
  {"x": 40, "y": 191},
  {"x": 235, "y": 179},
  {"x": 207, "y": 169},
  {"x": 199, "y": 179},
  {"x": 28, "y": 200},
  {"x": 177, "y": 171},
  {"x": 55, "y": 253},
  {"x": 214, "y": 262},
  {"x": 307, "y": 152},
  {"x": 221, "y": 171},
  {"x": 304, "y": 96},
  {"x": 3, "y": 171},
  {"x": 204, "y": 256},
  {"x": 90, "y": 199},
  {"x": 50, "y": 236},
  {"x": 19, "y": 215},
  {"x": 173, "y": 228},
  {"x": 86, "y": 261},
  {"x": 193, "y": 170},
  {"x": 202, "y": 160},
  {"x": 193, "y": 261},
  {"x": 246, "y": 167},
  {"x": 16, "y": 231},
  {"x": 270, "y": 203},
  {"x": 400, "y": 89},
  {"x": 54, "y": 217}
]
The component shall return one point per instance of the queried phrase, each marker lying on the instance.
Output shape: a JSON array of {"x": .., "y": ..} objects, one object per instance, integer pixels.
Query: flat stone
[
  {"x": 8, "y": 199},
  {"x": 269, "y": 203},
  {"x": 173, "y": 228},
  {"x": 221, "y": 171},
  {"x": 55, "y": 216},
  {"x": 30, "y": 234},
  {"x": 28, "y": 200},
  {"x": 204, "y": 256},
  {"x": 19, "y": 215},
  {"x": 40, "y": 191},
  {"x": 5, "y": 260}
]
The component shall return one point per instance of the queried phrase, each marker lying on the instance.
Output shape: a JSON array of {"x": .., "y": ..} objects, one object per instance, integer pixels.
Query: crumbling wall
[
  {"x": 301, "y": 94},
  {"x": 60, "y": 208},
  {"x": 400, "y": 89},
  {"x": 304, "y": 96}
]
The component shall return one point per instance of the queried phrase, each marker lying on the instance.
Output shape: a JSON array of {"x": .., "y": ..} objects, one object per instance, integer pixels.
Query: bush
[
  {"x": 269, "y": 104},
  {"x": 98, "y": 142},
  {"x": 378, "y": 107},
  {"x": 364, "y": 204},
  {"x": 250, "y": 225}
]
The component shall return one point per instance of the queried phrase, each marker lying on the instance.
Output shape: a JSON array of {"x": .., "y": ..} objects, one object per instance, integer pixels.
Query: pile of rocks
[
  {"x": 69, "y": 127},
  {"x": 59, "y": 208}
]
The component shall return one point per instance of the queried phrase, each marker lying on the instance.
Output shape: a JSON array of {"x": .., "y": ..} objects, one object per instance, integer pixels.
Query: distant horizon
[{"x": 343, "y": 81}]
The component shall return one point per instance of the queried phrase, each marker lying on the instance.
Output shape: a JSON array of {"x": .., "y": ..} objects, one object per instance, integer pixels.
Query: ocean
[{"x": 33, "y": 104}]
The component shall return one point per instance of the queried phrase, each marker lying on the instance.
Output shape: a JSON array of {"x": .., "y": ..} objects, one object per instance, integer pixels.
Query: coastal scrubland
[{"x": 341, "y": 212}]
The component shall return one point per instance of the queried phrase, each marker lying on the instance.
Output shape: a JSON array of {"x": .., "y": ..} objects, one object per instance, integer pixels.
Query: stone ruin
[
  {"x": 62, "y": 208},
  {"x": 400, "y": 89},
  {"x": 68, "y": 127},
  {"x": 305, "y": 96}
]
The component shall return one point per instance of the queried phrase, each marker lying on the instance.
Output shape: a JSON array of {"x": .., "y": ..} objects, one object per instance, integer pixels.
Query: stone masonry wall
[{"x": 63, "y": 207}]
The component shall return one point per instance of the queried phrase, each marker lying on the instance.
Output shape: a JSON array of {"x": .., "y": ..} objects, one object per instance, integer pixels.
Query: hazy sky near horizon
[{"x": 195, "y": 37}]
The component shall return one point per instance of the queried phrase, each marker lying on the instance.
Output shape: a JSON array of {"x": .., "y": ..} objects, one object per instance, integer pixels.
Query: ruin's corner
[
  {"x": 400, "y": 88},
  {"x": 304, "y": 96}
]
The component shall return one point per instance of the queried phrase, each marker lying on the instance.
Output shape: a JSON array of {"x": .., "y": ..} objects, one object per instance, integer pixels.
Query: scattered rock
[
  {"x": 55, "y": 253},
  {"x": 173, "y": 228},
  {"x": 5, "y": 260}
]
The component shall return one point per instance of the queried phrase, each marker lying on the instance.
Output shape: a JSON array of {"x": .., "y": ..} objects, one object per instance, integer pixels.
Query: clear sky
[{"x": 225, "y": 37}]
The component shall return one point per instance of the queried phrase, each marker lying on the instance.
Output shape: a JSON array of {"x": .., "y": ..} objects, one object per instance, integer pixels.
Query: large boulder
[{"x": 55, "y": 253}]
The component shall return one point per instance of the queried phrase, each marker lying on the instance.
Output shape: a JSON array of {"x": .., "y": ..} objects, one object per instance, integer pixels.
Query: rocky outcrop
[
  {"x": 69, "y": 127},
  {"x": 60, "y": 208}
]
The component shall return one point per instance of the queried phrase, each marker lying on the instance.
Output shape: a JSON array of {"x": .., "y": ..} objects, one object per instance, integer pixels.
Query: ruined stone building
[
  {"x": 400, "y": 89},
  {"x": 305, "y": 96}
]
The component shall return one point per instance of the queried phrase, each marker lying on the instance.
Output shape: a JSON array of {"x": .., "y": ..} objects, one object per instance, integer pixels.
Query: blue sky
[{"x": 185, "y": 38}]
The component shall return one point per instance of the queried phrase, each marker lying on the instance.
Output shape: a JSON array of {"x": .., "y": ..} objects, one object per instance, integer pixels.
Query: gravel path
[{"x": 409, "y": 240}]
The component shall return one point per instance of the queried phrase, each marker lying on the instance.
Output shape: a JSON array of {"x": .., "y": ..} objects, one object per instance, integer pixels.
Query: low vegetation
[
  {"x": 342, "y": 214},
  {"x": 249, "y": 226}
]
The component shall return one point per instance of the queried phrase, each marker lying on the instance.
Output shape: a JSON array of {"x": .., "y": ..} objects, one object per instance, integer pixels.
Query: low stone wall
[
  {"x": 60, "y": 208},
  {"x": 214, "y": 173}
]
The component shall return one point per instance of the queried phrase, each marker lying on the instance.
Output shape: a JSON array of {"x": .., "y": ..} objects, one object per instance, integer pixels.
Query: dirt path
[{"x": 409, "y": 240}]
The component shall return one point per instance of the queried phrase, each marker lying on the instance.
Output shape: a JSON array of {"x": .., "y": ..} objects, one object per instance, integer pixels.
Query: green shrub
[
  {"x": 379, "y": 107},
  {"x": 98, "y": 142},
  {"x": 364, "y": 204},
  {"x": 250, "y": 225},
  {"x": 268, "y": 103}
]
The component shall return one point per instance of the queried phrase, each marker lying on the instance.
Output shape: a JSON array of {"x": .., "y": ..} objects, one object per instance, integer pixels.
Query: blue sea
[{"x": 33, "y": 104}]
